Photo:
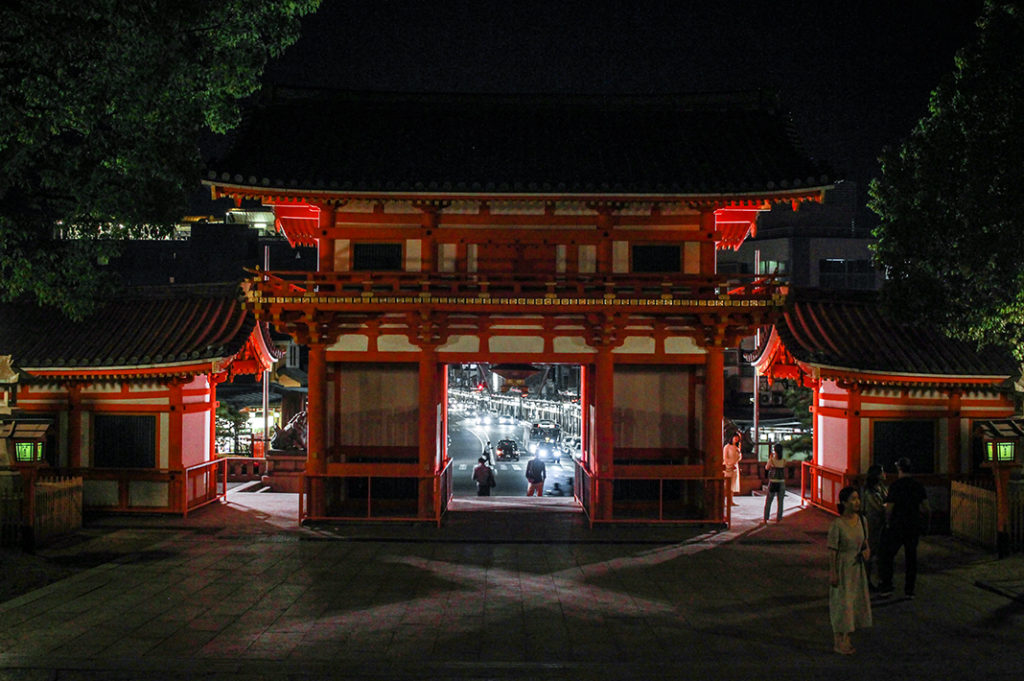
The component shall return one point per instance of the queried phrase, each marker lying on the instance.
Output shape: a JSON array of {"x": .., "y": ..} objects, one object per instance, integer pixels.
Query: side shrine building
[
  {"x": 126, "y": 398},
  {"x": 515, "y": 229},
  {"x": 883, "y": 390}
]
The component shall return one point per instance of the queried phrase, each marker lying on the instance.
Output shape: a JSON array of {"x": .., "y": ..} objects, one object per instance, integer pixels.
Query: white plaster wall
[
  {"x": 636, "y": 345},
  {"x": 588, "y": 259},
  {"x": 446, "y": 257},
  {"x": 352, "y": 342},
  {"x": 620, "y": 257},
  {"x": 531, "y": 344},
  {"x": 572, "y": 344},
  {"x": 413, "y": 255}
]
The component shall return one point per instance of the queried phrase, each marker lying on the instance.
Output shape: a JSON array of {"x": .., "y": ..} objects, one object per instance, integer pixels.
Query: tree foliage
[
  {"x": 102, "y": 107},
  {"x": 951, "y": 235},
  {"x": 798, "y": 399}
]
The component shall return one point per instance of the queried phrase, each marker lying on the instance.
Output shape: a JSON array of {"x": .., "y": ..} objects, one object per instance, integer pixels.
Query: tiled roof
[
  {"x": 519, "y": 144},
  {"x": 171, "y": 325},
  {"x": 848, "y": 331}
]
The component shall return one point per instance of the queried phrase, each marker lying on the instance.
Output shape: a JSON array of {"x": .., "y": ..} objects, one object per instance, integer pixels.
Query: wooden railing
[
  {"x": 369, "y": 285},
  {"x": 356, "y": 492},
  {"x": 244, "y": 468},
  {"x": 204, "y": 483},
  {"x": 820, "y": 486},
  {"x": 675, "y": 495},
  {"x": 118, "y": 490}
]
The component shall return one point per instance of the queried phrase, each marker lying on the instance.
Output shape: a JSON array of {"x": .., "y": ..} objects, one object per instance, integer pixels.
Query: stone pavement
[{"x": 240, "y": 591}]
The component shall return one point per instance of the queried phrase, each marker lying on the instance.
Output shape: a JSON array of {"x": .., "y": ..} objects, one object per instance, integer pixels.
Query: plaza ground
[{"x": 517, "y": 589}]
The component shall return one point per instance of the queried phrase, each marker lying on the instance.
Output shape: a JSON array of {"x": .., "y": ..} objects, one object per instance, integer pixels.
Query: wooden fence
[
  {"x": 57, "y": 507},
  {"x": 10, "y": 518},
  {"x": 973, "y": 514},
  {"x": 46, "y": 508}
]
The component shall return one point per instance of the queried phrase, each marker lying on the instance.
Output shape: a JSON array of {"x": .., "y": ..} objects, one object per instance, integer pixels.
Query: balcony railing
[{"x": 412, "y": 285}]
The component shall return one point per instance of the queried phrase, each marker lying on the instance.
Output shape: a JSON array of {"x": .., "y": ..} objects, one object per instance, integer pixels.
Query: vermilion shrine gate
[{"x": 454, "y": 229}]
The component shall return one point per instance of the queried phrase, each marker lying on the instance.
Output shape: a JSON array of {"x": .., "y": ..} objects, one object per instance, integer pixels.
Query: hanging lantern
[{"x": 514, "y": 376}]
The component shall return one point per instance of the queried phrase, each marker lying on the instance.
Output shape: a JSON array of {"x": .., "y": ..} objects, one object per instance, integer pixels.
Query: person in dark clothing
[
  {"x": 905, "y": 504},
  {"x": 776, "y": 469},
  {"x": 483, "y": 476},
  {"x": 536, "y": 473},
  {"x": 872, "y": 499}
]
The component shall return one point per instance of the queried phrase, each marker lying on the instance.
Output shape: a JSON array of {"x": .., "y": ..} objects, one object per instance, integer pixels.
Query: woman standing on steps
[{"x": 849, "y": 604}]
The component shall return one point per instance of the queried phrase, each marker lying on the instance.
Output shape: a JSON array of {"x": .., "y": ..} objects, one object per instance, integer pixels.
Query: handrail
[
  {"x": 367, "y": 285},
  {"x": 585, "y": 491},
  {"x": 820, "y": 486},
  {"x": 211, "y": 493},
  {"x": 442, "y": 491}
]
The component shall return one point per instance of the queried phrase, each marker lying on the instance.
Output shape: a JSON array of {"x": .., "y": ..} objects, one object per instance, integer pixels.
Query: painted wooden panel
[
  {"x": 378, "y": 405},
  {"x": 652, "y": 406}
]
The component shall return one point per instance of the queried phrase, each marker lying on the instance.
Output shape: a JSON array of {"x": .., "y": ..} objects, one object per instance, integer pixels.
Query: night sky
[{"x": 854, "y": 75}]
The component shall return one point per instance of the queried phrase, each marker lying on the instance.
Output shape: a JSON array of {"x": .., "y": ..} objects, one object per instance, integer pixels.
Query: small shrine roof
[
  {"x": 518, "y": 144},
  {"x": 169, "y": 325},
  {"x": 847, "y": 331}
]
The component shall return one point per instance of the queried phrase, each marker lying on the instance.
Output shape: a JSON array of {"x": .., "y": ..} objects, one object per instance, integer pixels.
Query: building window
[
  {"x": 657, "y": 258},
  {"x": 293, "y": 359},
  {"x": 28, "y": 452},
  {"x": 124, "y": 441},
  {"x": 376, "y": 257},
  {"x": 912, "y": 439},
  {"x": 776, "y": 267},
  {"x": 838, "y": 273}
]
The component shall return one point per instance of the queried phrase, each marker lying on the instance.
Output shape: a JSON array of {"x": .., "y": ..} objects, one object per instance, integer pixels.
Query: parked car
[{"x": 506, "y": 450}]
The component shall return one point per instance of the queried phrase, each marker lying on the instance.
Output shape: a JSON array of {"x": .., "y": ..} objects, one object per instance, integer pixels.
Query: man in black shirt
[
  {"x": 535, "y": 475},
  {"x": 905, "y": 504}
]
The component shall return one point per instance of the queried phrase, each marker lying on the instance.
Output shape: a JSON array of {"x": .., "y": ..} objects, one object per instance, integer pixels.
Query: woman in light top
[{"x": 849, "y": 604}]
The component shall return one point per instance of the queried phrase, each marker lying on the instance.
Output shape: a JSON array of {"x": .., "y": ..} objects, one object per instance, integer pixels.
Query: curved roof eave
[{"x": 221, "y": 189}]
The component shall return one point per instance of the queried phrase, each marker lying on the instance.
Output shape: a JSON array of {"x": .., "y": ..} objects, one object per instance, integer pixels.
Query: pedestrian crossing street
[{"x": 498, "y": 467}]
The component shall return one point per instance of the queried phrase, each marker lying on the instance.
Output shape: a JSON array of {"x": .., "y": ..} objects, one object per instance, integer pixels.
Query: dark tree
[
  {"x": 951, "y": 236},
  {"x": 102, "y": 107}
]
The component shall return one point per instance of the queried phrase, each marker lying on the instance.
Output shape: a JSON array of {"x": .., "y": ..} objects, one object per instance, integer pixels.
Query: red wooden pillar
[
  {"x": 176, "y": 427},
  {"x": 708, "y": 261},
  {"x": 714, "y": 412},
  {"x": 605, "y": 222},
  {"x": 603, "y": 445},
  {"x": 585, "y": 401},
  {"x": 953, "y": 433},
  {"x": 815, "y": 427},
  {"x": 316, "y": 423},
  {"x": 428, "y": 251},
  {"x": 853, "y": 430},
  {"x": 212, "y": 399},
  {"x": 75, "y": 417},
  {"x": 324, "y": 242},
  {"x": 428, "y": 430}
]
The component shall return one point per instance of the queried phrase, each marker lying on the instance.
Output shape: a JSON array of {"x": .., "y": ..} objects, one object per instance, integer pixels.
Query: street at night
[{"x": 468, "y": 439}]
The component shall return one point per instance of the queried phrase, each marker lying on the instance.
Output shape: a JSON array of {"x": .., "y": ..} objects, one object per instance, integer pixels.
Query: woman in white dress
[
  {"x": 849, "y": 604},
  {"x": 731, "y": 456}
]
